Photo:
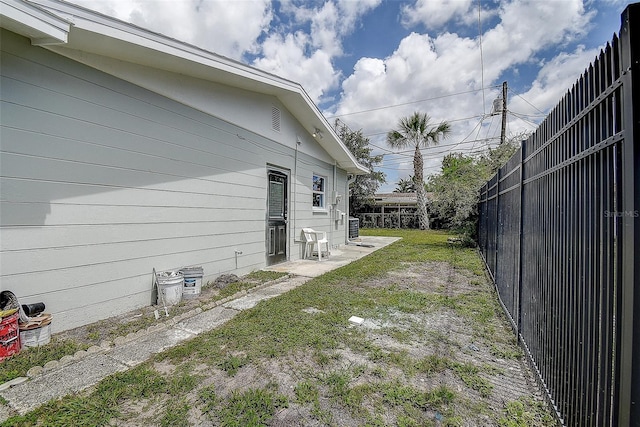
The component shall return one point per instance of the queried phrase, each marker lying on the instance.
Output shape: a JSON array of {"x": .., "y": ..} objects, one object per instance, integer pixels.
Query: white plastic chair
[
  {"x": 309, "y": 242},
  {"x": 315, "y": 239}
]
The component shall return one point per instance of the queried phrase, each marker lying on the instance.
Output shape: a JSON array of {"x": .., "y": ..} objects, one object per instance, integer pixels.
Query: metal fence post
[
  {"x": 629, "y": 404},
  {"x": 497, "y": 227},
  {"x": 518, "y": 290}
]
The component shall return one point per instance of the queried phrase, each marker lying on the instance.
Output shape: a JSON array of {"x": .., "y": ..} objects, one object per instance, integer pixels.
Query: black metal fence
[
  {"x": 560, "y": 232},
  {"x": 398, "y": 219}
]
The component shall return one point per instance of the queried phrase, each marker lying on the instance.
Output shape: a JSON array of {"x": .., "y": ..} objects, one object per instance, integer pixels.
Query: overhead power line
[
  {"x": 448, "y": 147},
  {"x": 409, "y": 152},
  {"x": 541, "y": 115},
  {"x": 413, "y": 102},
  {"x": 525, "y": 119},
  {"x": 448, "y": 121},
  {"x": 390, "y": 166},
  {"x": 521, "y": 97},
  {"x": 484, "y": 143},
  {"x": 435, "y": 151}
]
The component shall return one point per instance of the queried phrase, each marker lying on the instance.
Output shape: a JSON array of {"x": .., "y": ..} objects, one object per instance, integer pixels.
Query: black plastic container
[{"x": 33, "y": 309}]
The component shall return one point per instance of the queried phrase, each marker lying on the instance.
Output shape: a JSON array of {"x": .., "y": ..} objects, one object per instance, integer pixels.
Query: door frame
[{"x": 287, "y": 174}]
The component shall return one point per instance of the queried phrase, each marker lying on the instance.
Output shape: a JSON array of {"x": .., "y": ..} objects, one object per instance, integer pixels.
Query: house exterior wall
[
  {"x": 248, "y": 110},
  {"x": 102, "y": 180}
]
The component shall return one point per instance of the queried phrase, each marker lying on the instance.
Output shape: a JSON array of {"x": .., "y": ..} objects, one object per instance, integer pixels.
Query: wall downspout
[
  {"x": 334, "y": 205},
  {"x": 350, "y": 180},
  {"x": 294, "y": 190}
]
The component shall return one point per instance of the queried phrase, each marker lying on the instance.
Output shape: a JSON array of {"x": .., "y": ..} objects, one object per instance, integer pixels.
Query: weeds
[
  {"x": 433, "y": 364},
  {"x": 207, "y": 399},
  {"x": 262, "y": 276},
  {"x": 248, "y": 282},
  {"x": 253, "y": 407},
  {"x": 306, "y": 392},
  {"x": 139, "y": 382},
  {"x": 338, "y": 383},
  {"x": 175, "y": 413},
  {"x": 231, "y": 364},
  {"x": 470, "y": 375},
  {"x": 525, "y": 413},
  {"x": 233, "y": 288},
  {"x": 506, "y": 352},
  {"x": 182, "y": 382}
]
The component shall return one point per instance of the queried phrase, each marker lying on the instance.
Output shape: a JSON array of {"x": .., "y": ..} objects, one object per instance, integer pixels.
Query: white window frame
[{"x": 322, "y": 194}]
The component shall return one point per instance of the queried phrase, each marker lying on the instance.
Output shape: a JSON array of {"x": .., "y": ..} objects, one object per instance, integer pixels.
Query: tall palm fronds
[{"x": 417, "y": 132}]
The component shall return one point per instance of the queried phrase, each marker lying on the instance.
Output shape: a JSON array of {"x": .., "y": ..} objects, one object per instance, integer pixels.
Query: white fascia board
[
  {"x": 184, "y": 59},
  {"x": 330, "y": 140},
  {"x": 31, "y": 21}
]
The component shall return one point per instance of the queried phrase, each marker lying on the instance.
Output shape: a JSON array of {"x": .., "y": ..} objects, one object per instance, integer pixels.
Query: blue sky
[{"x": 371, "y": 62}]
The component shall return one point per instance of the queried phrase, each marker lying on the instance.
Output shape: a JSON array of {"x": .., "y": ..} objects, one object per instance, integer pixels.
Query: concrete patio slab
[
  {"x": 135, "y": 352},
  {"x": 206, "y": 320},
  {"x": 341, "y": 256},
  {"x": 253, "y": 298}
]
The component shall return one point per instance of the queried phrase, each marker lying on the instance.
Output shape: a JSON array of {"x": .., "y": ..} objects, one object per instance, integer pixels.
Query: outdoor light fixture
[{"x": 317, "y": 133}]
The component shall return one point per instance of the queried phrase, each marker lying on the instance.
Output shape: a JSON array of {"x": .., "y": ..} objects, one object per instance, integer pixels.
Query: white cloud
[
  {"x": 554, "y": 79},
  {"x": 434, "y": 14},
  {"x": 286, "y": 57},
  {"x": 325, "y": 28},
  {"x": 351, "y": 11},
  {"x": 420, "y": 68},
  {"x": 308, "y": 60},
  {"x": 528, "y": 27}
]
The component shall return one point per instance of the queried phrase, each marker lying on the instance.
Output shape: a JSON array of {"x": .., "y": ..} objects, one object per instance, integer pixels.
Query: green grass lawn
[{"x": 337, "y": 374}]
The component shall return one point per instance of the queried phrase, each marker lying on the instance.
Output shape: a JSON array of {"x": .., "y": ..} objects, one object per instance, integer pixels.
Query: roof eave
[{"x": 33, "y": 22}]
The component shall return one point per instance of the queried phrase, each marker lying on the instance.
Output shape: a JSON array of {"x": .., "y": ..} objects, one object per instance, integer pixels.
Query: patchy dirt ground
[{"x": 452, "y": 362}]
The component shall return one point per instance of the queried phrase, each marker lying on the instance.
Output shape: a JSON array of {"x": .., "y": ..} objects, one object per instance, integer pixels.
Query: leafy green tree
[
  {"x": 405, "y": 185},
  {"x": 496, "y": 157},
  {"x": 456, "y": 187},
  {"x": 365, "y": 186},
  {"x": 417, "y": 132}
]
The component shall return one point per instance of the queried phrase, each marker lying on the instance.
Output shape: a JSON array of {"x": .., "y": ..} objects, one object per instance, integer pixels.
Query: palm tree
[
  {"x": 416, "y": 132},
  {"x": 405, "y": 185}
]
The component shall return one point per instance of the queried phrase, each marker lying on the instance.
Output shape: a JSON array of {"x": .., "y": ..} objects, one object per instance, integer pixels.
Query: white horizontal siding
[
  {"x": 87, "y": 236},
  {"x": 20, "y": 262},
  {"x": 102, "y": 181}
]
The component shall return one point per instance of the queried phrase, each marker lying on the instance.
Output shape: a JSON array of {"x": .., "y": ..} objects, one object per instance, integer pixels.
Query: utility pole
[{"x": 504, "y": 113}]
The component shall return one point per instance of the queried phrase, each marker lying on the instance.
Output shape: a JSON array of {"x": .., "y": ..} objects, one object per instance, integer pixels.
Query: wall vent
[{"x": 275, "y": 118}]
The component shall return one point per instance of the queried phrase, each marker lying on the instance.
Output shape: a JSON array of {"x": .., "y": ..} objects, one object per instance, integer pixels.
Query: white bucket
[
  {"x": 36, "y": 337},
  {"x": 192, "y": 282},
  {"x": 170, "y": 285}
]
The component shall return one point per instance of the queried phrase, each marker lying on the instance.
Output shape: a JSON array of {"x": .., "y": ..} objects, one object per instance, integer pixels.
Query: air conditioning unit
[{"x": 354, "y": 227}]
